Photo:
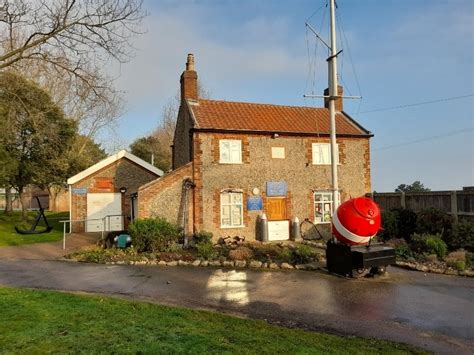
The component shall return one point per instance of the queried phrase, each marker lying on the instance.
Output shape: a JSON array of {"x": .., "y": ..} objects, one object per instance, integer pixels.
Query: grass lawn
[
  {"x": 8, "y": 235},
  {"x": 36, "y": 321}
]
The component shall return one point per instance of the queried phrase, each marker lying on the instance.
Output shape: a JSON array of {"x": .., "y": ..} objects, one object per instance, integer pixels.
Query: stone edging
[
  {"x": 240, "y": 264},
  {"x": 432, "y": 269}
]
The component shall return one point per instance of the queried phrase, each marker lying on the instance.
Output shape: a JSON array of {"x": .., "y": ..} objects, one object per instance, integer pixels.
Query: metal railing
[{"x": 104, "y": 219}]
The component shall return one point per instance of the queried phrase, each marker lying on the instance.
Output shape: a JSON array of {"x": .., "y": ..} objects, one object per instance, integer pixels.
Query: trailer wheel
[
  {"x": 378, "y": 270},
  {"x": 359, "y": 273}
]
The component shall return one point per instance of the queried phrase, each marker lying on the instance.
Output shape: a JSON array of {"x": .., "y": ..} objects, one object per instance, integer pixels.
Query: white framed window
[
  {"x": 230, "y": 151},
  {"x": 323, "y": 207},
  {"x": 232, "y": 210},
  {"x": 322, "y": 153}
]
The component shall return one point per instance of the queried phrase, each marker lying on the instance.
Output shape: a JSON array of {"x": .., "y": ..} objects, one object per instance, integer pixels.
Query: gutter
[{"x": 281, "y": 133}]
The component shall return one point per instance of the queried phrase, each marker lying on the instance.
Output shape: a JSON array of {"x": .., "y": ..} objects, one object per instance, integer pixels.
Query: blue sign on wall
[
  {"x": 254, "y": 203},
  {"x": 277, "y": 188},
  {"x": 79, "y": 191}
]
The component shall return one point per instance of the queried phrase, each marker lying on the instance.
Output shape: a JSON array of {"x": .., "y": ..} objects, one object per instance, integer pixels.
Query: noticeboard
[
  {"x": 254, "y": 203},
  {"x": 79, "y": 191},
  {"x": 277, "y": 188}
]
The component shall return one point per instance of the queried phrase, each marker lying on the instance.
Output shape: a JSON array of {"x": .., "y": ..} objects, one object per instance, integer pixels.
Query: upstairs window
[
  {"x": 230, "y": 151},
  {"x": 232, "y": 210},
  {"x": 322, "y": 153}
]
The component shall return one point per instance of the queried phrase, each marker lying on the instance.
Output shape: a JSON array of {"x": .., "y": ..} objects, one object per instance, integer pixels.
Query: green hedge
[{"x": 154, "y": 235}]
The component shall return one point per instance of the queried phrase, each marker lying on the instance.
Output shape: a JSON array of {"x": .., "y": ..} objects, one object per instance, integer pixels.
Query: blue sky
[{"x": 403, "y": 51}]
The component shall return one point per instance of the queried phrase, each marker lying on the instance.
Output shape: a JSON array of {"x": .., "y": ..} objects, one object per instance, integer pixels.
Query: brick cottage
[
  {"x": 104, "y": 195},
  {"x": 234, "y": 161}
]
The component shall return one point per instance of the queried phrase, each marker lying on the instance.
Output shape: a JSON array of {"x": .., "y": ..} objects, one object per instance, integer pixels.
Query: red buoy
[{"x": 356, "y": 221}]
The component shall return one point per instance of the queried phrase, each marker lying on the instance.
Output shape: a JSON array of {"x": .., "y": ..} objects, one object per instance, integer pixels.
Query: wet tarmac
[{"x": 434, "y": 312}]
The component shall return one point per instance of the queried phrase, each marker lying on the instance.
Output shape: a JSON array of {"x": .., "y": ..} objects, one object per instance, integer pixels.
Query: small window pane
[
  {"x": 225, "y": 198},
  {"x": 237, "y": 198}
]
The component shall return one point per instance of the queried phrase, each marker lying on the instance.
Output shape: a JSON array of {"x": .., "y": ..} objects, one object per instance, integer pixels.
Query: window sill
[
  {"x": 227, "y": 163},
  {"x": 232, "y": 227}
]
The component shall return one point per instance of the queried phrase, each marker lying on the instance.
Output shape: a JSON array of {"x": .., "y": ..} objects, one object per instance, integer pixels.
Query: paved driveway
[
  {"x": 50, "y": 250},
  {"x": 434, "y": 312}
]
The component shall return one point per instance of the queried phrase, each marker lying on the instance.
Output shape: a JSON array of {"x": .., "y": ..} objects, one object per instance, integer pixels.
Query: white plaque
[
  {"x": 278, "y": 230},
  {"x": 278, "y": 152}
]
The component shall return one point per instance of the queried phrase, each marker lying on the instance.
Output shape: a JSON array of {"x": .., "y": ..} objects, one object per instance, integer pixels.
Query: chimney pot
[
  {"x": 190, "y": 62},
  {"x": 189, "y": 80}
]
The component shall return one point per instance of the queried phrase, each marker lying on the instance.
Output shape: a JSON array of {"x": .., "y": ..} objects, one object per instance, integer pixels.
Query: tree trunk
[
  {"x": 8, "y": 201},
  {"x": 53, "y": 194},
  {"x": 24, "y": 204}
]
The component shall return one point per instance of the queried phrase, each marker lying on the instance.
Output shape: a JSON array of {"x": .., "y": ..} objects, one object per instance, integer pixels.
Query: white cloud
[{"x": 153, "y": 74}]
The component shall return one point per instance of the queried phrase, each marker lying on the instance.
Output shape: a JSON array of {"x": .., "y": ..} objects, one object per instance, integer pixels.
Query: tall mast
[
  {"x": 332, "y": 96},
  {"x": 332, "y": 73}
]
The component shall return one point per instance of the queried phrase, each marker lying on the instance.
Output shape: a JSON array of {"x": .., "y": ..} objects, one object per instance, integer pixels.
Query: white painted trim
[
  {"x": 348, "y": 234},
  {"x": 190, "y": 105},
  {"x": 112, "y": 159}
]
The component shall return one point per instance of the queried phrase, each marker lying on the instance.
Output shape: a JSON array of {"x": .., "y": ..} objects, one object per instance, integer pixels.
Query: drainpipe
[{"x": 70, "y": 209}]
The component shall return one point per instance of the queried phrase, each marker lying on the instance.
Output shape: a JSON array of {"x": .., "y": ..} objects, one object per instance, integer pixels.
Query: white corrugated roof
[{"x": 113, "y": 158}]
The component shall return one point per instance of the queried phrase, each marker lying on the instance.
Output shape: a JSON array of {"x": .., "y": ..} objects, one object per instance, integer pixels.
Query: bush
[
  {"x": 407, "y": 220},
  {"x": 284, "y": 255},
  {"x": 403, "y": 251},
  {"x": 429, "y": 244},
  {"x": 389, "y": 225},
  {"x": 459, "y": 265},
  {"x": 436, "y": 245},
  {"x": 302, "y": 254},
  {"x": 101, "y": 256},
  {"x": 205, "y": 250},
  {"x": 241, "y": 253},
  {"x": 202, "y": 237},
  {"x": 154, "y": 235},
  {"x": 462, "y": 236},
  {"x": 266, "y": 252},
  {"x": 434, "y": 221},
  {"x": 469, "y": 260}
]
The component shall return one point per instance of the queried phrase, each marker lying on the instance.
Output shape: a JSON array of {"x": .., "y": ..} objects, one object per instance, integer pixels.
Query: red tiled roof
[{"x": 226, "y": 115}]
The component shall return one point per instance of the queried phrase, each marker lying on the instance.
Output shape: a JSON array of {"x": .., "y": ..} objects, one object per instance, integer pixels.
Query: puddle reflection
[{"x": 228, "y": 286}]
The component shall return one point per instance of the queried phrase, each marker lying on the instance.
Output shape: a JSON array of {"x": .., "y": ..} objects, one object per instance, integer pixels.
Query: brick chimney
[
  {"x": 338, "y": 101},
  {"x": 189, "y": 80}
]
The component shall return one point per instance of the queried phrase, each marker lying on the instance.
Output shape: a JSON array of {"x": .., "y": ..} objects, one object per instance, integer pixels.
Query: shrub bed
[{"x": 154, "y": 241}]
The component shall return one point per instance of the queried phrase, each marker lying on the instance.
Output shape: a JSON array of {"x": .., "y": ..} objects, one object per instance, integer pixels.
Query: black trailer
[{"x": 357, "y": 261}]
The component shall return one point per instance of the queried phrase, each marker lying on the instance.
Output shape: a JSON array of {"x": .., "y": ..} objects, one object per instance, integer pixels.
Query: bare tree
[
  {"x": 65, "y": 45},
  {"x": 165, "y": 130}
]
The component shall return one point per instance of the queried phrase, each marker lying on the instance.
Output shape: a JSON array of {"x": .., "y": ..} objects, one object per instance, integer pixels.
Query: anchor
[{"x": 33, "y": 230}]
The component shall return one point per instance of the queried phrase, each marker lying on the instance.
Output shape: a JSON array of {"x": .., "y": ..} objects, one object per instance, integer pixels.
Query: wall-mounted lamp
[
  {"x": 275, "y": 135},
  {"x": 123, "y": 190}
]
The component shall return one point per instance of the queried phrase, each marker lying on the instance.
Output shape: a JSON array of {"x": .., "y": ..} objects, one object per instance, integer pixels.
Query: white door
[{"x": 100, "y": 205}]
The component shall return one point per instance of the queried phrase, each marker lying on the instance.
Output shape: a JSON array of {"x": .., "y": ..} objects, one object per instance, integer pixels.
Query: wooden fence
[{"x": 460, "y": 203}]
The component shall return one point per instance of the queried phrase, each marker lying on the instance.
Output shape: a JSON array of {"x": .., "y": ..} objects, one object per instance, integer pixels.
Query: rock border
[
  {"x": 433, "y": 269},
  {"x": 238, "y": 264}
]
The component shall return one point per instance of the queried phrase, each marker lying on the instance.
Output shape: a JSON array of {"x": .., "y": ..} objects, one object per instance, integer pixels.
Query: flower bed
[
  {"x": 256, "y": 255},
  {"x": 426, "y": 254}
]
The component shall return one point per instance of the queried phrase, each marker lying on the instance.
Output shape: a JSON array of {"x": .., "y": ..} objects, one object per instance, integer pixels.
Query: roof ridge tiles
[{"x": 263, "y": 104}]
